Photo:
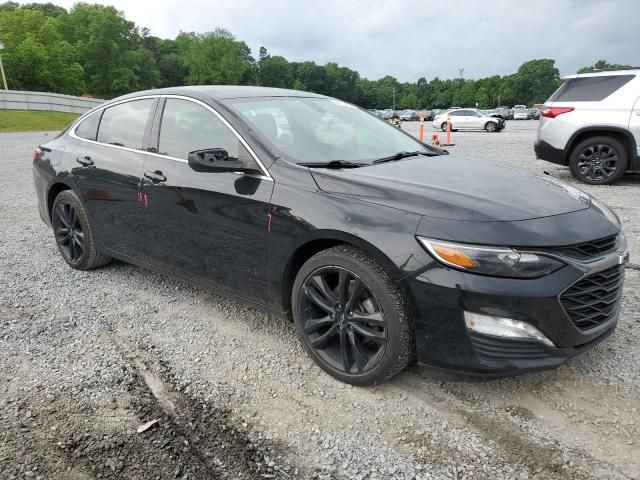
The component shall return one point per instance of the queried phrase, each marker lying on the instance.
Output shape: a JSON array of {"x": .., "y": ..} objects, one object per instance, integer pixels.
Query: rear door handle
[
  {"x": 85, "y": 161},
  {"x": 155, "y": 177}
]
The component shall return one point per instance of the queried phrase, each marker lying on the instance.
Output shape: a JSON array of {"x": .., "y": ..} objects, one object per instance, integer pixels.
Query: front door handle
[
  {"x": 155, "y": 177},
  {"x": 85, "y": 161}
]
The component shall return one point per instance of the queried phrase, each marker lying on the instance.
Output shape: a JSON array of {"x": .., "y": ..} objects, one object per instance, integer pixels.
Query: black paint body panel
[{"x": 241, "y": 235}]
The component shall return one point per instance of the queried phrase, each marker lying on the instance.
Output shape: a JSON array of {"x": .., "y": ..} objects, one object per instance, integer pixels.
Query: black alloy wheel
[
  {"x": 68, "y": 232},
  {"x": 351, "y": 316},
  {"x": 343, "y": 320},
  {"x": 443, "y": 127},
  {"x": 491, "y": 126},
  {"x": 73, "y": 233},
  {"x": 599, "y": 160}
]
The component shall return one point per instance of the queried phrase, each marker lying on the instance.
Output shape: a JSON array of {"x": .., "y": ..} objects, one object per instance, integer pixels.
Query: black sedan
[{"x": 381, "y": 249}]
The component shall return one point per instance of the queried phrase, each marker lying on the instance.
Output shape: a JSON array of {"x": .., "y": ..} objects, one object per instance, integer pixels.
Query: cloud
[{"x": 409, "y": 39}]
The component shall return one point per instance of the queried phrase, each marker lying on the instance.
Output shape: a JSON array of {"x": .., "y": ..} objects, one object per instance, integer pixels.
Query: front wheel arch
[{"x": 323, "y": 240}]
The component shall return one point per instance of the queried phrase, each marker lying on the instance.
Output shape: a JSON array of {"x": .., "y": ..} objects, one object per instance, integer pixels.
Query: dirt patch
[{"x": 58, "y": 436}]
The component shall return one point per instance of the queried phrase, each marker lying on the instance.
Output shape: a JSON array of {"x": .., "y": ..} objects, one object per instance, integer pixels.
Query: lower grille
[{"x": 594, "y": 300}]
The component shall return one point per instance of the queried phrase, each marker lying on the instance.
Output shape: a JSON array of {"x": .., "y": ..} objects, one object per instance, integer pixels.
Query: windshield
[{"x": 323, "y": 130}]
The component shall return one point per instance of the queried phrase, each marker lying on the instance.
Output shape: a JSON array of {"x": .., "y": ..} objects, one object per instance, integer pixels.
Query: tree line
[{"x": 93, "y": 49}]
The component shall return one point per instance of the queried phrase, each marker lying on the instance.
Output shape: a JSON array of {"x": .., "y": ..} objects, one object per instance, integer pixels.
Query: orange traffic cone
[
  {"x": 448, "y": 144},
  {"x": 421, "y": 127}
]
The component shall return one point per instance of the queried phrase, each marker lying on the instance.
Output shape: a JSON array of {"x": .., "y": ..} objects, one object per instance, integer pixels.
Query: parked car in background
[
  {"x": 409, "y": 116},
  {"x": 520, "y": 112},
  {"x": 592, "y": 124},
  {"x": 387, "y": 114},
  {"x": 502, "y": 112},
  {"x": 468, "y": 119},
  {"x": 381, "y": 250},
  {"x": 534, "y": 114},
  {"x": 428, "y": 115}
]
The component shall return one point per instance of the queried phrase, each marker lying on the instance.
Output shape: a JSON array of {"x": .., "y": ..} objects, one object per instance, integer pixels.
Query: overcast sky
[{"x": 410, "y": 39}]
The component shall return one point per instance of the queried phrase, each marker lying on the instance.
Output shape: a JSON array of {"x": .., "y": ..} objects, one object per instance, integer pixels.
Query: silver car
[{"x": 468, "y": 119}]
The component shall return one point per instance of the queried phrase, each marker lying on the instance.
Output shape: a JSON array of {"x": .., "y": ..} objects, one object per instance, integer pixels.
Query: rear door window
[
  {"x": 589, "y": 89},
  {"x": 124, "y": 124},
  {"x": 88, "y": 128}
]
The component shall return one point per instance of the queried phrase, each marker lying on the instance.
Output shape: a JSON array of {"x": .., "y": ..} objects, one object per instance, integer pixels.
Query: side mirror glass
[{"x": 215, "y": 160}]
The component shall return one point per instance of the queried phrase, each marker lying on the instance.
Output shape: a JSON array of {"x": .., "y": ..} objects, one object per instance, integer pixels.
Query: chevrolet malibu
[{"x": 382, "y": 250}]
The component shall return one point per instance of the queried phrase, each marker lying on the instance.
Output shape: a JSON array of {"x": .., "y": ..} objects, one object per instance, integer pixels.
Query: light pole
[{"x": 4, "y": 78}]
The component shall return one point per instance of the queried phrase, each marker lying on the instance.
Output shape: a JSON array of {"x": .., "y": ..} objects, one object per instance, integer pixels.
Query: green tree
[
  {"x": 36, "y": 56},
  {"x": 601, "y": 65},
  {"x": 216, "y": 58},
  {"x": 275, "y": 72}
]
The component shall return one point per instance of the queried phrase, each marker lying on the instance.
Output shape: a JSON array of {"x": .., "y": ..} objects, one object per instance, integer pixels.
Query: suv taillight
[
  {"x": 553, "y": 112},
  {"x": 37, "y": 153}
]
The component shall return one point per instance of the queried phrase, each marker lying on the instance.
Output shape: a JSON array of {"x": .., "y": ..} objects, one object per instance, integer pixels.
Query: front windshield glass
[{"x": 322, "y": 130}]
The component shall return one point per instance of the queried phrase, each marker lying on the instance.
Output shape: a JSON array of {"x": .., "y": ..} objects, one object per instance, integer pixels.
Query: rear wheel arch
[
  {"x": 325, "y": 241},
  {"x": 55, "y": 190},
  {"x": 620, "y": 134}
]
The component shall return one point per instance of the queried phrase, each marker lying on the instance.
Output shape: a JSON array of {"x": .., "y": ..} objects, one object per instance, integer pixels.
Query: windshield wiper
[
  {"x": 401, "y": 155},
  {"x": 333, "y": 164}
]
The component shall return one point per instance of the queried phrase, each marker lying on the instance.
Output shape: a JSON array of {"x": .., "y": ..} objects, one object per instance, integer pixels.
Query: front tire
[
  {"x": 443, "y": 127},
  {"x": 491, "y": 127},
  {"x": 599, "y": 160},
  {"x": 351, "y": 317},
  {"x": 73, "y": 234}
]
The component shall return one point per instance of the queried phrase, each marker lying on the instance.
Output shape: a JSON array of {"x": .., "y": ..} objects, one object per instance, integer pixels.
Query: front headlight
[{"x": 494, "y": 261}]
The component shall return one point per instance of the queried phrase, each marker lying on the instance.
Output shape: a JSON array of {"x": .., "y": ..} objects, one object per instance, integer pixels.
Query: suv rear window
[{"x": 589, "y": 89}]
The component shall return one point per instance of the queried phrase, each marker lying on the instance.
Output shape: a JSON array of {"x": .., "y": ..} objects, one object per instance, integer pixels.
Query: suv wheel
[
  {"x": 351, "y": 317},
  {"x": 598, "y": 160}
]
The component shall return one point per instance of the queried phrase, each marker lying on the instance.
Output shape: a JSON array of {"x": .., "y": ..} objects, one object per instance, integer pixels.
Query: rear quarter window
[
  {"x": 589, "y": 89},
  {"x": 88, "y": 127}
]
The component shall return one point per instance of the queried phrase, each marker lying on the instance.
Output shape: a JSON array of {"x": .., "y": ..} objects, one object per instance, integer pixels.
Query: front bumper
[{"x": 439, "y": 296}]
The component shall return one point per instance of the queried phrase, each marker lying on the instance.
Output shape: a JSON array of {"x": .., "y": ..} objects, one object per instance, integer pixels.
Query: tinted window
[
  {"x": 124, "y": 124},
  {"x": 461, "y": 113},
  {"x": 589, "y": 89},
  {"x": 309, "y": 130},
  {"x": 187, "y": 126},
  {"x": 88, "y": 127}
]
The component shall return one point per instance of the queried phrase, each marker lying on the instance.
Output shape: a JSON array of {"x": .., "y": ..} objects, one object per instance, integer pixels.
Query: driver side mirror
[{"x": 215, "y": 160}]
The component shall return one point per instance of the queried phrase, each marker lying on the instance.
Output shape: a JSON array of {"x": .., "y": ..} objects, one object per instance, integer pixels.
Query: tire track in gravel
[{"x": 519, "y": 438}]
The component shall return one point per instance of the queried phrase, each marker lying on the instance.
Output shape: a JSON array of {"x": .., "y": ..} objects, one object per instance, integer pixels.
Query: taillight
[
  {"x": 553, "y": 112},
  {"x": 37, "y": 153}
]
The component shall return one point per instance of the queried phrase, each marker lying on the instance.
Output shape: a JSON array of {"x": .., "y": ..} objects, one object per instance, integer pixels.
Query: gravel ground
[{"x": 87, "y": 358}]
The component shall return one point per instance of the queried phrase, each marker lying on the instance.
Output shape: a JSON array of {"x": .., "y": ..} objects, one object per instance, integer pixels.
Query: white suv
[{"x": 592, "y": 124}]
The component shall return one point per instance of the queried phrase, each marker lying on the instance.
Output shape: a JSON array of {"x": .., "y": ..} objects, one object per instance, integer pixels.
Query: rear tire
[
  {"x": 600, "y": 160},
  {"x": 73, "y": 234},
  {"x": 351, "y": 317}
]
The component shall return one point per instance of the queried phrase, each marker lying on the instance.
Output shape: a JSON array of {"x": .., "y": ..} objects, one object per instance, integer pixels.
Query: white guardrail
[{"x": 53, "y": 102}]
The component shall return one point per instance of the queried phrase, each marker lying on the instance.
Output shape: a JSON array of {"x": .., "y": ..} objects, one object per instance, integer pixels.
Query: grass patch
[{"x": 19, "y": 121}]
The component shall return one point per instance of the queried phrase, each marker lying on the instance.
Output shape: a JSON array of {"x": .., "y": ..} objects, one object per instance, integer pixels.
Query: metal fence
[{"x": 53, "y": 102}]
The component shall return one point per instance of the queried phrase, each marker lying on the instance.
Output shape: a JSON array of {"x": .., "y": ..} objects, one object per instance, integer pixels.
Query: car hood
[{"x": 455, "y": 188}]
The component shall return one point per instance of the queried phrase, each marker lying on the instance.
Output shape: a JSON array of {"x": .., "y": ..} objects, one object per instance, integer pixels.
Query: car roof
[
  {"x": 604, "y": 73},
  {"x": 223, "y": 92}
]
